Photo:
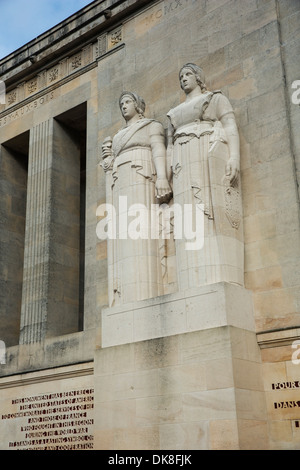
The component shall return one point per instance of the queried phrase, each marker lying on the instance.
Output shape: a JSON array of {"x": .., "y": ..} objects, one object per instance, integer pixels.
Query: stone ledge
[
  {"x": 278, "y": 338},
  {"x": 77, "y": 370},
  {"x": 197, "y": 309},
  {"x": 67, "y": 350}
]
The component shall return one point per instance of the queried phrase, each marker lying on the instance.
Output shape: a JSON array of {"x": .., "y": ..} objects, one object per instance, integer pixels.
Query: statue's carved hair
[
  {"x": 140, "y": 105},
  {"x": 200, "y": 77}
]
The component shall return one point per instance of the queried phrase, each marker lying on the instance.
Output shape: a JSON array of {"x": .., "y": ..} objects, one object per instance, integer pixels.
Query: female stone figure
[
  {"x": 138, "y": 161},
  {"x": 203, "y": 148}
]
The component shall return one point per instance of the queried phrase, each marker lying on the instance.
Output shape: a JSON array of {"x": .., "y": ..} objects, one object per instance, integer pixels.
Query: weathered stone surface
[
  {"x": 161, "y": 366},
  {"x": 196, "y": 380}
]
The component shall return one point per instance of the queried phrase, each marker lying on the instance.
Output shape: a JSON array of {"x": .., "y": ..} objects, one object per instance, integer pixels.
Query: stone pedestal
[
  {"x": 181, "y": 372},
  {"x": 205, "y": 307}
]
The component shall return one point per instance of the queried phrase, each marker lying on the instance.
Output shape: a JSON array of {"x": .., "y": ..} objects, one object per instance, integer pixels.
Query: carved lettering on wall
[
  {"x": 54, "y": 421},
  {"x": 287, "y": 404},
  {"x": 167, "y": 8},
  {"x": 288, "y": 407},
  {"x": 26, "y": 109},
  {"x": 286, "y": 385}
]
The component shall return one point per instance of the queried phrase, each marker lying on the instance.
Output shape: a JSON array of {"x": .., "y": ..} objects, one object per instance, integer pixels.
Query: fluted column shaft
[{"x": 37, "y": 235}]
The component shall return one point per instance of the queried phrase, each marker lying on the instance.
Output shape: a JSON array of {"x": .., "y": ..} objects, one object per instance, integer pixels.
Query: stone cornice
[
  {"x": 16, "y": 99},
  {"x": 61, "y": 373},
  {"x": 278, "y": 338},
  {"x": 65, "y": 39}
]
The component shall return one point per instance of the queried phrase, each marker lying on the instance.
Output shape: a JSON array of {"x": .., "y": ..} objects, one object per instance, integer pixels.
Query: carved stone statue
[
  {"x": 136, "y": 162},
  {"x": 204, "y": 155}
]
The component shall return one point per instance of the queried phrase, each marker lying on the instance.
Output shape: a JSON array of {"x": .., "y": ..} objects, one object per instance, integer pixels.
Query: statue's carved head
[
  {"x": 140, "y": 105},
  {"x": 200, "y": 77}
]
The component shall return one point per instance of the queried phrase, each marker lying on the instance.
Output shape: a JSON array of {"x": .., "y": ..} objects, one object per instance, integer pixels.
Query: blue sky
[{"x": 24, "y": 20}]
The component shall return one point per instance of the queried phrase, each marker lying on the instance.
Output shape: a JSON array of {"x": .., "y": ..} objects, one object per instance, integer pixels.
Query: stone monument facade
[{"x": 188, "y": 338}]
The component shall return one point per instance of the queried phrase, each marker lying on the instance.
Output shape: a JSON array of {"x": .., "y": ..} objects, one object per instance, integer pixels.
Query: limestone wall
[{"x": 208, "y": 386}]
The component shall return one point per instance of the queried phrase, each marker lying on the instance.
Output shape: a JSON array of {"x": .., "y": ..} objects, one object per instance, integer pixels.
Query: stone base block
[
  {"x": 196, "y": 309},
  {"x": 181, "y": 371},
  {"x": 200, "y": 390}
]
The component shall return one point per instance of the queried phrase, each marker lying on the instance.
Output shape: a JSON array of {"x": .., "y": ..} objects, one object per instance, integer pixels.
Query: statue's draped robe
[
  {"x": 200, "y": 154},
  {"x": 135, "y": 263}
]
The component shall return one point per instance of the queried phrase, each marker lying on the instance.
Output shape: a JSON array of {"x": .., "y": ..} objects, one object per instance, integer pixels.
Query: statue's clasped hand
[
  {"x": 232, "y": 171},
  {"x": 107, "y": 148},
  {"x": 163, "y": 190},
  {"x": 106, "y": 152}
]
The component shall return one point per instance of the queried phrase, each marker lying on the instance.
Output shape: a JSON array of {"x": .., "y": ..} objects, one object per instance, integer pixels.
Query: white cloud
[{"x": 24, "y": 20}]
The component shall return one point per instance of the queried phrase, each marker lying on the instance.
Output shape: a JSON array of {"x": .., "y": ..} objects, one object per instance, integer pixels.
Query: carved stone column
[
  {"x": 36, "y": 255},
  {"x": 51, "y": 280}
]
